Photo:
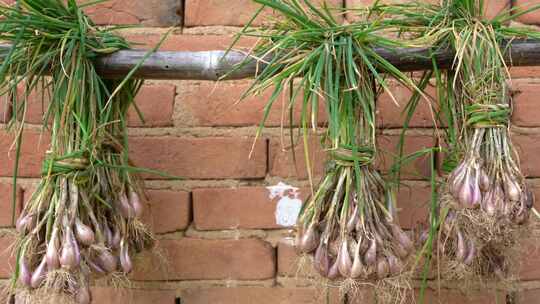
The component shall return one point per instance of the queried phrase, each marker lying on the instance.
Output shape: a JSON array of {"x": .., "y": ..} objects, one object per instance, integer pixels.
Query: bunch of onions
[
  {"x": 348, "y": 225},
  {"x": 350, "y": 234},
  {"x": 83, "y": 220}
]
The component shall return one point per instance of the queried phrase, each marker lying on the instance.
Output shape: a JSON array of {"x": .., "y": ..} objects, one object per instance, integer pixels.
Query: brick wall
[{"x": 218, "y": 237}]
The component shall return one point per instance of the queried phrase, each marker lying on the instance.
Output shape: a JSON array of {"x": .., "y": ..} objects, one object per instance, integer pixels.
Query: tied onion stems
[
  {"x": 349, "y": 224},
  {"x": 83, "y": 220}
]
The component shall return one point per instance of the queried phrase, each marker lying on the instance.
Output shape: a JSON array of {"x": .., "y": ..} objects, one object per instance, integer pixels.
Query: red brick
[
  {"x": 528, "y": 147},
  {"x": 188, "y": 43},
  {"x": 282, "y": 161},
  {"x": 143, "y": 12},
  {"x": 234, "y": 208},
  {"x": 210, "y": 104},
  {"x": 169, "y": 210},
  {"x": 6, "y": 204},
  {"x": 391, "y": 115},
  {"x": 259, "y": 295},
  {"x": 446, "y": 296},
  {"x": 228, "y": 12},
  {"x": 525, "y": 105},
  {"x": 530, "y": 296},
  {"x": 289, "y": 262},
  {"x": 156, "y": 104},
  {"x": 34, "y": 146},
  {"x": 413, "y": 204},
  {"x": 525, "y": 72},
  {"x": 5, "y": 110},
  {"x": 419, "y": 168},
  {"x": 7, "y": 256},
  {"x": 200, "y": 259},
  {"x": 204, "y": 158},
  {"x": 529, "y": 18},
  {"x": 105, "y": 295},
  {"x": 530, "y": 264}
]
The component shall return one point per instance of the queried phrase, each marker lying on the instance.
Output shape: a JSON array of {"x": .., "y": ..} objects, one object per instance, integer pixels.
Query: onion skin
[
  {"x": 383, "y": 268},
  {"x": 394, "y": 264},
  {"x": 84, "y": 234},
  {"x": 512, "y": 190},
  {"x": 371, "y": 254},
  {"x": 322, "y": 261},
  {"x": 402, "y": 237},
  {"x": 357, "y": 269},
  {"x": 69, "y": 257},
  {"x": 471, "y": 254},
  {"x": 116, "y": 239},
  {"x": 483, "y": 180},
  {"x": 126, "y": 210},
  {"x": 310, "y": 240},
  {"x": 344, "y": 259},
  {"x": 125, "y": 260},
  {"x": 333, "y": 273},
  {"x": 461, "y": 250},
  {"x": 39, "y": 274},
  {"x": 136, "y": 204},
  {"x": 53, "y": 259},
  {"x": 107, "y": 261},
  {"x": 25, "y": 276}
]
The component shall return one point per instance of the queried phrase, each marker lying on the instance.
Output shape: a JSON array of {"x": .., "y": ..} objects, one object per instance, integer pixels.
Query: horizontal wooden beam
[{"x": 211, "y": 65}]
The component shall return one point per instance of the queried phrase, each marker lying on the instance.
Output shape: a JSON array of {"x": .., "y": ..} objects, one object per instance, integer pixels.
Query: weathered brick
[
  {"x": 6, "y": 204},
  {"x": 260, "y": 295},
  {"x": 290, "y": 264},
  {"x": 5, "y": 110},
  {"x": 204, "y": 158},
  {"x": 230, "y": 12},
  {"x": 531, "y": 17},
  {"x": 33, "y": 148},
  {"x": 169, "y": 210},
  {"x": 106, "y": 295},
  {"x": 447, "y": 296},
  {"x": 156, "y": 103},
  {"x": 528, "y": 147},
  {"x": 525, "y": 72},
  {"x": 188, "y": 43},
  {"x": 201, "y": 259},
  {"x": 413, "y": 201},
  {"x": 419, "y": 168},
  {"x": 7, "y": 257},
  {"x": 524, "y": 103},
  {"x": 218, "y": 104},
  {"x": 530, "y": 262},
  {"x": 236, "y": 208},
  {"x": 282, "y": 162},
  {"x": 143, "y": 12},
  {"x": 530, "y": 296},
  {"x": 391, "y": 115}
]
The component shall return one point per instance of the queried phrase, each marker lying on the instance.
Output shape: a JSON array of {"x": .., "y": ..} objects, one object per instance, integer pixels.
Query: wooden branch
[{"x": 210, "y": 65}]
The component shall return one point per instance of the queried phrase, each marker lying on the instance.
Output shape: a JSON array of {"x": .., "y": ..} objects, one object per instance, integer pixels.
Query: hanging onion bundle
[
  {"x": 83, "y": 220},
  {"x": 485, "y": 200},
  {"x": 348, "y": 225}
]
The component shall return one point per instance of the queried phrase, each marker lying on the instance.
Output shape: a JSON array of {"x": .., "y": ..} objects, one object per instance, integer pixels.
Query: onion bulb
[
  {"x": 345, "y": 263},
  {"x": 53, "y": 259},
  {"x": 136, "y": 204},
  {"x": 125, "y": 260},
  {"x": 322, "y": 262},
  {"x": 69, "y": 257},
  {"x": 39, "y": 274},
  {"x": 310, "y": 240},
  {"x": 84, "y": 233},
  {"x": 25, "y": 276}
]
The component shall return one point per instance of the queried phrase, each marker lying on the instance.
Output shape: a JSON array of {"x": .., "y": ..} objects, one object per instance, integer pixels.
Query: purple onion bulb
[
  {"x": 136, "y": 204},
  {"x": 39, "y": 274},
  {"x": 322, "y": 262},
  {"x": 126, "y": 210},
  {"x": 107, "y": 261},
  {"x": 125, "y": 260},
  {"x": 345, "y": 263},
  {"x": 70, "y": 256},
  {"x": 53, "y": 259},
  {"x": 84, "y": 233},
  {"x": 25, "y": 275}
]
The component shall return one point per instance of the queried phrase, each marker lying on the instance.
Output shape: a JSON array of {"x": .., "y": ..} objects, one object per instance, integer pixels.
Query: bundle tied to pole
[
  {"x": 83, "y": 220},
  {"x": 485, "y": 202},
  {"x": 348, "y": 226}
]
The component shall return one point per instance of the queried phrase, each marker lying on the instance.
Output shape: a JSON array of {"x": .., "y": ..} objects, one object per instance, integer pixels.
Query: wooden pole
[{"x": 211, "y": 65}]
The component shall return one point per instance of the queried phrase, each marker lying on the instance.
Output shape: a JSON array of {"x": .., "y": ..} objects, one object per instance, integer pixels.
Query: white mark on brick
[{"x": 289, "y": 204}]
